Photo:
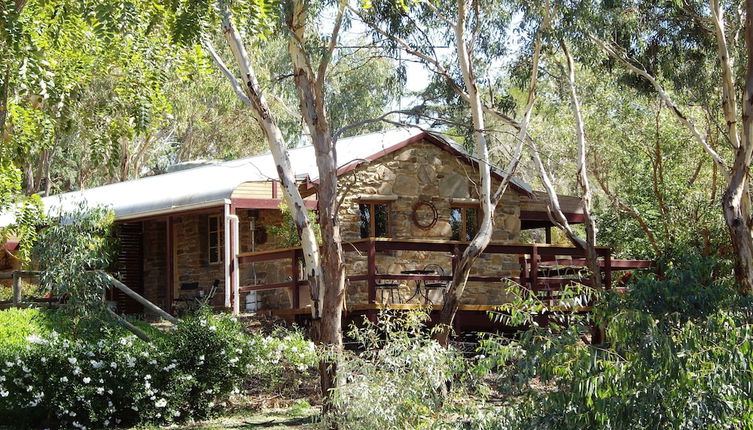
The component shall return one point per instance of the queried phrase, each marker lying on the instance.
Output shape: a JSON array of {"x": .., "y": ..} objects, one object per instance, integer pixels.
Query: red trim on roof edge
[{"x": 417, "y": 138}]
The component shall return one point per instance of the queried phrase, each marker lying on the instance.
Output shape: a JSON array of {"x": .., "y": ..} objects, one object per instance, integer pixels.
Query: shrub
[
  {"x": 283, "y": 359},
  {"x": 679, "y": 356},
  {"x": 80, "y": 383},
  {"x": 401, "y": 379}
]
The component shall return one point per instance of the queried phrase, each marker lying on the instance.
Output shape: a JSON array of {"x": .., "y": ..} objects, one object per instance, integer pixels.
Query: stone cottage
[{"x": 409, "y": 191}]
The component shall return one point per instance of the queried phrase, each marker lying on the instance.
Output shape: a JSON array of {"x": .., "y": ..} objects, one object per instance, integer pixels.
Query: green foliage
[
  {"x": 400, "y": 379},
  {"x": 287, "y": 232},
  {"x": 679, "y": 356},
  {"x": 71, "y": 252},
  {"x": 283, "y": 358},
  {"x": 123, "y": 381},
  {"x": 16, "y": 325},
  {"x": 109, "y": 378}
]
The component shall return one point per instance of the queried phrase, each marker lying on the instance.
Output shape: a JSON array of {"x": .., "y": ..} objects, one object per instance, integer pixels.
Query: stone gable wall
[{"x": 422, "y": 171}]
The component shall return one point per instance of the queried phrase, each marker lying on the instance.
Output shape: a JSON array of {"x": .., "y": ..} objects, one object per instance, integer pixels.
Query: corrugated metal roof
[{"x": 212, "y": 184}]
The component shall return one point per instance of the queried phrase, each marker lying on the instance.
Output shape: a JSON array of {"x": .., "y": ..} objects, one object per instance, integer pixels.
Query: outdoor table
[{"x": 418, "y": 292}]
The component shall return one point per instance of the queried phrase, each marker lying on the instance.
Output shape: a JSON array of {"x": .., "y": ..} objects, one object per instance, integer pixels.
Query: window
[
  {"x": 374, "y": 219},
  {"x": 464, "y": 222},
  {"x": 215, "y": 242}
]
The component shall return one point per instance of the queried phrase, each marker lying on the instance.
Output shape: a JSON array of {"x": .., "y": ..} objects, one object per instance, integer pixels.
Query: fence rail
[{"x": 534, "y": 260}]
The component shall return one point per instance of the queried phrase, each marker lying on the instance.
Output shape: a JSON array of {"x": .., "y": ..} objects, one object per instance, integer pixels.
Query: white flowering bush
[
  {"x": 284, "y": 358},
  {"x": 55, "y": 381}
]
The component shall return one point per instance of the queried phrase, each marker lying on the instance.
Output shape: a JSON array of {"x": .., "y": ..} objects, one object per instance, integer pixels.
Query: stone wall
[
  {"x": 191, "y": 257},
  {"x": 268, "y": 272},
  {"x": 424, "y": 172}
]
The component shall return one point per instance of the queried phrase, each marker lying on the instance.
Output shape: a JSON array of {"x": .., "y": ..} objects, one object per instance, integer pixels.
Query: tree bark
[
  {"x": 277, "y": 145},
  {"x": 592, "y": 258},
  {"x": 488, "y": 202},
  {"x": 311, "y": 94},
  {"x": 736, "y": 198}
]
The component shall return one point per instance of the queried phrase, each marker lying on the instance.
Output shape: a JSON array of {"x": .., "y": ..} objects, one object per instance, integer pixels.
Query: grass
[
  {"x": 16, "y": 325},
  {"x": 298, "y": 416}
]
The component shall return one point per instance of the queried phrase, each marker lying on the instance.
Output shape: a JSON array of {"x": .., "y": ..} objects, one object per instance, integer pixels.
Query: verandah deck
[{"x": 534, "y": 259}]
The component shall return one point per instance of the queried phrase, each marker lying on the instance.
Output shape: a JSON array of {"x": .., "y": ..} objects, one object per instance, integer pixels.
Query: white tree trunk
[
  {"x": 311, "y": 94},
  {"x": 585, "y": 186},
  {"x": 488, "y": 202},
  {"x": 277, "y": 145}
]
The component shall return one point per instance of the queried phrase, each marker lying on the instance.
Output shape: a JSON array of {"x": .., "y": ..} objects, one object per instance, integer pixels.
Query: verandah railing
[{"x": 533, "y": 258}]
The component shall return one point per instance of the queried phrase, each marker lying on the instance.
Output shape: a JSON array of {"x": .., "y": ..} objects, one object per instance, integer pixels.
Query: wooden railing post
[
  {"x": 371, "y": 279},
  {"x": 608, "y": 269},
  {"x": 455, "y": 257},
  {"x": 295, "y": 272},
  {"x": 16, "y": 289},
  {"x": 534, "y": 268}
]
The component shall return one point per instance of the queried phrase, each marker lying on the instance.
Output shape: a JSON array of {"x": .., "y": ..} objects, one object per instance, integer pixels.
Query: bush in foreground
[{"x": 123, "y": 381}]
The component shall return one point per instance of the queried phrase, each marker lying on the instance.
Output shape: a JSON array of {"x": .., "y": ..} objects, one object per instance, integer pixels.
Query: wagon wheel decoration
[{"x": 424, "y": 215}]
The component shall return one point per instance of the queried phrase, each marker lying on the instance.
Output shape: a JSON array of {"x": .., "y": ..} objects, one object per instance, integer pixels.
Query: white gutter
[{"x": 173, "y": 209}]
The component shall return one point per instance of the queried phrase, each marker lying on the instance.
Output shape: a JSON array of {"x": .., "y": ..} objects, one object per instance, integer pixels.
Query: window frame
[
  {"x": 219, "y": 246},
  {"x": 463, "y": 230},
  {"x": 372, "y": 218}
]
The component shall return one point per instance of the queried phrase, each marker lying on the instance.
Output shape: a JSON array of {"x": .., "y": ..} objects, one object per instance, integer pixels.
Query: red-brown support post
[
  {"x": 455, "y": 257},
  {"x": 169, "y": 263},
  {"x": 608, "y": 269},
  {"x": 371, "y": 279},
  {"x": 295, "y": 271},
  {"x": 534, "y": 268}
]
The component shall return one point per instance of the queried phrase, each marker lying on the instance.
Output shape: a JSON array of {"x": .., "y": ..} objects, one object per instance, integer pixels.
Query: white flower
[
  {"x": 100, "y": 390},
  {"x": 97, "y": 364},
  {"x": 161, "y": 403},
  {"x": 4, "y": 394},
  {"x": 213, "y": 328},
  {"x": 87, "y": 380},
  {"x": 64, "y": 379},
  {"x": 203, "y": 323},
  {"x": 201, "y": 357},
  {"x": 114, "y": 365},
  {"x": 34, "y": 338},
  {"x": 72, "y": 360},
  {"x": 8, "y": 364}
]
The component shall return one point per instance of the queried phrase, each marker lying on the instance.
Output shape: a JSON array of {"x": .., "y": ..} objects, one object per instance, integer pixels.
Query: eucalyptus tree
[
  {"x": 685, "y": 51},
  {"x": 86, "y": 76},
  {"x": 252, "y": 24},
  {"x": 477, "y": 32}
]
